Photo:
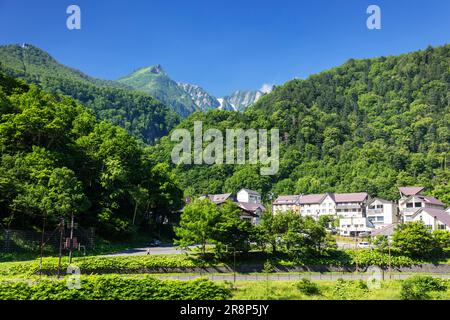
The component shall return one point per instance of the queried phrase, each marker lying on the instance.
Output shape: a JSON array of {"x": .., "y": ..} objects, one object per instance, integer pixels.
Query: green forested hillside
[
  {"x": 138, "y": 113},
  {"x": 56, "y": 159},
  {"x": 156, "y": 82},
  {"x": 368, "y": 125}
]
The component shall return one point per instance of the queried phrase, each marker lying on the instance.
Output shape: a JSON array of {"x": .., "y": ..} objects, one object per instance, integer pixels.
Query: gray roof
[
  {"x": 219, "y": 198},
  {"x": 385, "y": 231}
]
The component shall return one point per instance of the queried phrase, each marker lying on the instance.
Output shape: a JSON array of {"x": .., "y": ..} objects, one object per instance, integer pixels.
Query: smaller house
[
  {"x": 248, "y": 201},
  {"x": 435, "y": 219},
  {"x": 219, "y": 198},
  {"x": 251, "y": 212},
  {"x": 249, "y": 196},
  {"x": 387, "y": 231}
]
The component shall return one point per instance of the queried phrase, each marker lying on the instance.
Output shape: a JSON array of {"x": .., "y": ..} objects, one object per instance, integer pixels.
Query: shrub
[
  {"x": 114, "y": 287},
  {"x": 97, "y": 264},
  {"x": 307, "y": 287},
  {"x": 349, "y": 290},
  {"x": 420, "y": 287}
]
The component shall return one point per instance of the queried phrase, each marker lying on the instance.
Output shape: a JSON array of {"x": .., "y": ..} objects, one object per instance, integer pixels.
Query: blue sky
[{"x": 223, "y": 45}]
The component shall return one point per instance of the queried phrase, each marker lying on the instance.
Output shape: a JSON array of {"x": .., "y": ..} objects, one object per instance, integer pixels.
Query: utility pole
[
  {"x": 234, "y": 266},
  {"x": 42, "y": 247},
  {"x": 61, "y": 231},
  {"x": 389, "y": 249},
  {"x": 71, "y": 240}
]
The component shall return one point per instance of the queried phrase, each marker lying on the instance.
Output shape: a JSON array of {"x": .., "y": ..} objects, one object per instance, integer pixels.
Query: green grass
[{"x": 286, "y": 290}]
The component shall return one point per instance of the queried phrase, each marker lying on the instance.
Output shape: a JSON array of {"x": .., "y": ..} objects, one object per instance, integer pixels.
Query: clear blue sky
[{"x": 223, "y": 45}]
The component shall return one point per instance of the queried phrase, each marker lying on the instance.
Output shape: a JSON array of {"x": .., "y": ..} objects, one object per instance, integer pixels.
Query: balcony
[
  {"x": 348, "y": 206},
  {"x": 374, "y": 211}
]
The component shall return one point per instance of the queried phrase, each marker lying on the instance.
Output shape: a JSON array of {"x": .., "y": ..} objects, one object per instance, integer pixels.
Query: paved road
[
  {"x": 288, "y": 277},
  {"x": 152, "y": 250},
  {"x": 170, "y": 249}
]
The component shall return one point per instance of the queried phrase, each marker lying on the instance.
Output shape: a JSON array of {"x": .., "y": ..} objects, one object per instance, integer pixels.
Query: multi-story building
[
  {"x": 382, "y": 213},
  {"x": 412, "y": 200},
  {"x": 316, "y": 205},
  {"x": 349, "y": 207},
  {"x": 248, "y": 196},
  {"x": 286, "y": 203}
]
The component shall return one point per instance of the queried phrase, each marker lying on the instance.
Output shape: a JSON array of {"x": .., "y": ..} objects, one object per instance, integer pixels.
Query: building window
[{"x": 418, "y": 204}]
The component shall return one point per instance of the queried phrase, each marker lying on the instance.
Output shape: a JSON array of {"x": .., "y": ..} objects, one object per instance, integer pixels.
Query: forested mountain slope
[
  {"x": 140, "y": 114},
  {"x": 57, "y": 159},
  {"x": 368, "y": 125}
]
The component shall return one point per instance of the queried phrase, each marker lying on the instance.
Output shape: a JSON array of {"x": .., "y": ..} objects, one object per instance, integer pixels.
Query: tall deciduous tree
[{"x": 197, "y": 225}]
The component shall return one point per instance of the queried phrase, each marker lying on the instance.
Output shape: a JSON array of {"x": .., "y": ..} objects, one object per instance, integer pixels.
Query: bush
[
  {"x": 133, "y": 264},
  {"x": 349, "y": 290},
  {"x": 420, "y": 287},
  {"x": 307, "y": 287},
  {"x": 114, "y": 287}
]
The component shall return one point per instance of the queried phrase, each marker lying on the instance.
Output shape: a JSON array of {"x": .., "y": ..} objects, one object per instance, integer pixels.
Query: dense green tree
[
  {"x": 197, "y": 225},
  {"x": 413, "y": 239},
  {"x": 231, "y": 232},
  {"x": 56, "y": 160}
]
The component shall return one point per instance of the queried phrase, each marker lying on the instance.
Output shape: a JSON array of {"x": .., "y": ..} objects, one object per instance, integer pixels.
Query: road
[{"x": 168, "y": 249}]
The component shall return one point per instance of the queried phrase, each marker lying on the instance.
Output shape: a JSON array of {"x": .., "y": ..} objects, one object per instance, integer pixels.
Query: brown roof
[
  {"x": 439, "y": 214},
  {"x": 433, "y": 200},
  {"x": 410, "y": 191},
  {"x": 350, "y": 197},
  {"x": 312, "y": 198},
  {"x": 250, "y": 207},
  {"x": 337, "y": 197},
  {"x": 287, "y": 199}
]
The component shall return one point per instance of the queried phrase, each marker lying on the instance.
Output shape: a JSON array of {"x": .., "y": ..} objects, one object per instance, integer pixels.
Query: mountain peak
[{"x": 157, "y": 69}]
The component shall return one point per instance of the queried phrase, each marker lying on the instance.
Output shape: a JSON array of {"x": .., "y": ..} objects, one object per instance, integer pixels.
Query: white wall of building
[
  {"x": 245, "y": 196},
  {"x": 430, "y": 221},
  {"x": 349, "y": 226},
  {"x": 382, "y": 213}
]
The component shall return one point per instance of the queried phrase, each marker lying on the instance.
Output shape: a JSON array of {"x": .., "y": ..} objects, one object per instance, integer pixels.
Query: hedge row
[
  {"x": 142, "y": 264},
  {"x": 114, "y": 287},
  {"x": 349, "y": 258},
  {"x": 102, "y": 264}
]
